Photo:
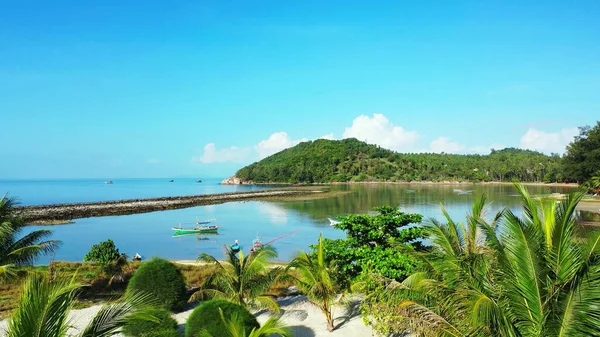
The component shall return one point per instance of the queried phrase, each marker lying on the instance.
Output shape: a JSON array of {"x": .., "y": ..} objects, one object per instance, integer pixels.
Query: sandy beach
[{"x": 303, "y": 318}]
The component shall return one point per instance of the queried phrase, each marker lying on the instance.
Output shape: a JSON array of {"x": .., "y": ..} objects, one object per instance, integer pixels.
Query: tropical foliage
[
  {"x": 373, "y": 241},
  {"x": 207, "y": 318},
  {"x": 512, "y": 275},
  {"x": 161, "y": 279},
  {"x": 107, "y": 255},
  {"x": 234, "y": 326},
  {"x": 242, "y": 279},
  {"x": 345, "y": 160},
  {"x": 582, "y": 160},
  {"x": 313, "y": 277},
  {"x": 163, "y": 325},
  {"x": 21, "y": 251},
  {"x": 44, "y": 306}
]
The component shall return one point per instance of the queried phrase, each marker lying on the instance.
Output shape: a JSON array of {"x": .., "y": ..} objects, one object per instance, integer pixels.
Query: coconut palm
[
  {"x": 242, "y": 279},
  {"x": 23, "y": 251},
  {"x": 312, "y": 277},
  {"x": 44, "y": 305},
  {"x": 235, "y": 328},
  {"x": 526, "y": 275}
]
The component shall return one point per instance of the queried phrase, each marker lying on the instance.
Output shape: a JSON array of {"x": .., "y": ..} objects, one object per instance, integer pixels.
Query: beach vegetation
[
  {"x": 161, "y": 326},
  {"x": 378, "y": 241},
  {"x": 242, "y": 279},
  {"x": 16, "y": 250},
  {"x": 234, "y": 326},
  {"x": 107, "y": 255},
  {"x": 314, "y": 278},
  {"x": 44, "y": 305},
  {"x": 509, "y": 275},
  {"x": 163, "y": 280},
  {"x": 207, "y": 318}
]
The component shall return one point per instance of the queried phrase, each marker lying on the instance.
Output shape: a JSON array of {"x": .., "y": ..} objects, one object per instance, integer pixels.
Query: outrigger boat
[
  {"x": 201, "y": 227},
  {"x": 333, "y": 222}
]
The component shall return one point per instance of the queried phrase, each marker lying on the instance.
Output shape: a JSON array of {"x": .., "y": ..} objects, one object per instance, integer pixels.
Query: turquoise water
[
  {"x": 40, "y": 192},
  {"x": 149, "y": 234}
]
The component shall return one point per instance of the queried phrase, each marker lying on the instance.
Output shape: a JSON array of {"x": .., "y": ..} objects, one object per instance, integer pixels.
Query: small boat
[
  {"x": 194, "y": 230},
  {"x": 137, "y": 257},
  {"x": 108, "y": 182},
  {"x": 198, "y": 181},
  {"x": 256, "y": 245},
  {"x": 201, "y": 227},
  {"x": 171, "y": 180},
  {"x": 333, "y": 222},
  {"x": 235, "y": 247}
]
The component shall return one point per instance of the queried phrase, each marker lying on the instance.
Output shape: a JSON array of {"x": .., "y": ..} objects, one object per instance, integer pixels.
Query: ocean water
[
  {"x": 295, "y": 225},
  {"x": 41, "y": 192}
]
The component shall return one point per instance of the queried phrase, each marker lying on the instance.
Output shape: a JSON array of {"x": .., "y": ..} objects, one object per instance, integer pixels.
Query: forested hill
[{"x": 322, "y": 161}]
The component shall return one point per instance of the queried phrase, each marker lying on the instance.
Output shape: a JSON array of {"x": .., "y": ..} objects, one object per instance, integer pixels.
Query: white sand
[{"x": 305, "y": 319}]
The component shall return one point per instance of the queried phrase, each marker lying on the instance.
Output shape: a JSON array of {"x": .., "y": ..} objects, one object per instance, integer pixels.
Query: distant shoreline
[
  {"x": 62, "y": 213},
  {"x": 406, "y": 183}
]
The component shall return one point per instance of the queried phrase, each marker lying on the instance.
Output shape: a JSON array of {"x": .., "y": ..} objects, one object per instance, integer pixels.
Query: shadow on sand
[
  {"x": 352, "y": 311},
  {"x": 302, "y": 331}
]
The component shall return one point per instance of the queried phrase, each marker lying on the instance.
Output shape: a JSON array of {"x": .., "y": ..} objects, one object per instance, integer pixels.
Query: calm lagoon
[{"x": 149, "y": 234}]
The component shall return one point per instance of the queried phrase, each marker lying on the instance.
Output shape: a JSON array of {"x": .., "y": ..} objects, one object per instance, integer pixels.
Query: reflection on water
[{"x": 150, "y": 234}]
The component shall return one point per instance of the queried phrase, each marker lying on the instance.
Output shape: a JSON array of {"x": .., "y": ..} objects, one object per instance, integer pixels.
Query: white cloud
[
  {"x": 231, "y": 154},
  {"x": 275, "y": 143},
  {"x": 444, "y": 144},
  {"x": 548, "y": 142},
  {"x": 328, "y": 136},
  {"x": 153, "y": 161},
  {"x": 379, "y": 130},
  {"x": 277, "y": 214}
]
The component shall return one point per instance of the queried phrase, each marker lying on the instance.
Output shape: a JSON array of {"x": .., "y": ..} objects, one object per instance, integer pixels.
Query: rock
[{"x": 233, "y": 180}]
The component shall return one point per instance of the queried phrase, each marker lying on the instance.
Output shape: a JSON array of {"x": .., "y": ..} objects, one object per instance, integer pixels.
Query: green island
[{"x": 351, "y": 160}]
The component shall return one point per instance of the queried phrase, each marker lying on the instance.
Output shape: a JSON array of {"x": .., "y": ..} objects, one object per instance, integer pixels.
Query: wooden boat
[
  {"x": 194, "y": 230},
  {"x": 201, "y": 227}
]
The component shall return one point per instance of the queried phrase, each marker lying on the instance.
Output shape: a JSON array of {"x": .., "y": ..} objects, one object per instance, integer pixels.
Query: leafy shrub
[
  {"x": 104, "y": 252},
  {"x": 162, "y": 279},
  {"x": 146, "y": 328},
  {"x": 207, "y": 317}
]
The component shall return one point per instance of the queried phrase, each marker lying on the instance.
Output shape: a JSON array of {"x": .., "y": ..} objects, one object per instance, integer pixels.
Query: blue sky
[{"x": 200, "y": 88}]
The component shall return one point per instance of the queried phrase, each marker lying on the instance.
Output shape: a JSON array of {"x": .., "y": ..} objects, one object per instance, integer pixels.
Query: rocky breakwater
[
  {"x": 50, "y": 214},
  {"x": 233, "y": 180}
]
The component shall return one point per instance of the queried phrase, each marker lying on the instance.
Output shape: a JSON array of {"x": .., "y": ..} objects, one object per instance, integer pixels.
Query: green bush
[
  {"x": 166, "y": 333},
  {"x": 162, "y": 279},
  {"x": 146, "y": 328},
  {"x": 104, "y": 252},
  {"x": 207, "y": 317}
]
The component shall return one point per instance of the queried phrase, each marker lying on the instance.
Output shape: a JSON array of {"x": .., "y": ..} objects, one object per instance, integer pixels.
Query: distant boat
[
  {"x": 458, "y": 191},
  {"x": 171, "y": 180},
  {"x": 333, "y": 222},
  {"x": 108, "y": 182},
  {"x": 201, "y": 227},
  {"x": 198, "y": 181}
]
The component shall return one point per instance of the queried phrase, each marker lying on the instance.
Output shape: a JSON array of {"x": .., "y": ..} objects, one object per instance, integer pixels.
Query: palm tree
[
  {"x": 514, "y": 276},
  {"x": 18, "y": 252},
  {"x": 44, "y": 305},
  {"x": 242, "y": 279},
  {"x": 314, "y": 279},
  {"x": 236, "y": 328}
]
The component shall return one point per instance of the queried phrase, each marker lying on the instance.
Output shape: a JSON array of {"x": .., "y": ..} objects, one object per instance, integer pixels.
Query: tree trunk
[{"x": 330, "y": 326}]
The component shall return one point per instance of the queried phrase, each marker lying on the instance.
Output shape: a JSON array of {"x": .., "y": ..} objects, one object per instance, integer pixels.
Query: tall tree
[
  {"x": 582, "y": 159},
  {"x": 16, "y": 251},
  {"x": 242, "y": 279},
  {"x": 314, "y": 279}
]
